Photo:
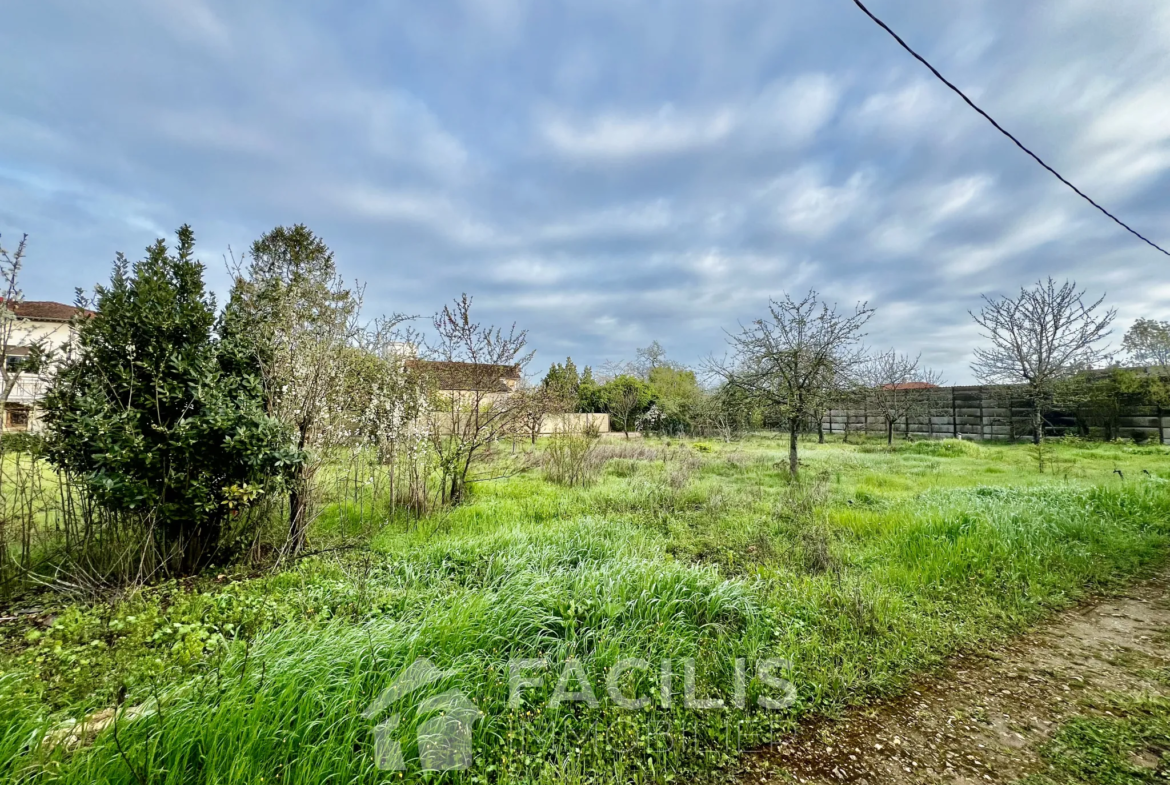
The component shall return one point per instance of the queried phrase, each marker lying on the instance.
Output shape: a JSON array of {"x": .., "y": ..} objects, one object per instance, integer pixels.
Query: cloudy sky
[{"x": 604, "y": 173}]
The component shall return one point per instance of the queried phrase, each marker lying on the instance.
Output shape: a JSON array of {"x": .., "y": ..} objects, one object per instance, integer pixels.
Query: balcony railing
[{"x": 27, "y": 390}]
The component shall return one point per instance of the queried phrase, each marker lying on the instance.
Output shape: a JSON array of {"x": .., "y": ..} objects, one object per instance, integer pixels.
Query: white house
[{"x": 43, "y": 323}]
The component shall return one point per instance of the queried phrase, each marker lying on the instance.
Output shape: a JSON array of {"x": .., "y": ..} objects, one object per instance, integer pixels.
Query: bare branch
[
  {"x": 475, "y": 368},
  {"x": 1044, "y": 335}
]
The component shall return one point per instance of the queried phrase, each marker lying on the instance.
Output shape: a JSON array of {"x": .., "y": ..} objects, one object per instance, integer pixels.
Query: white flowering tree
[
  {"x": 397, "y": 405},
  {"x": 290, "y": 304}
]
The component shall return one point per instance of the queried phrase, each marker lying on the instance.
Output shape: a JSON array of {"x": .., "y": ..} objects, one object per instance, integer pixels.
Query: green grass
[
  {"x": 1123, "y": 740},
  {"x": 876, "y": 567}
]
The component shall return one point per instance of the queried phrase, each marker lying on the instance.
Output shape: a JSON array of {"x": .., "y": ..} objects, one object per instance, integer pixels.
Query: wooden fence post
[
  {"x": 954, "y": 415},
  {"x": 982, "y": 418},
  {"x": 930, "y": 414}
]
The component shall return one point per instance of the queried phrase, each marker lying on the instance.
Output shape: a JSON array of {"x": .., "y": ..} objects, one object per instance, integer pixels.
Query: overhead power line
[{"x": 1003, "y": 131}]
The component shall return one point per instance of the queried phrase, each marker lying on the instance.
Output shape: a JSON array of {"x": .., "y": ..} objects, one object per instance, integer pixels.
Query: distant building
[
  {"x": 452, "y": 377},
  {"x": 47, "y": 324},
  {"x": 472, "y": 385},
  {"x": 484, "y": 385}
]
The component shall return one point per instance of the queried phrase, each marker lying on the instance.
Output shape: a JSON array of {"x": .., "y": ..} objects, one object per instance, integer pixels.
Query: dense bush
[{"x": 157, "y": 421}]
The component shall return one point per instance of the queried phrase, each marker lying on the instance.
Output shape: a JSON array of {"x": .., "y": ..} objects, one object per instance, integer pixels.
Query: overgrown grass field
[{"x": 873, "y": 568}]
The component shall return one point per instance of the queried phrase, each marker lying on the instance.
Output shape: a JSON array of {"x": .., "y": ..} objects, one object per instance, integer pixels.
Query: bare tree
[
  {"x": 789, "y": 359},
  {"x": 475, "y": 367},
  {"x": 392, "y": 403},
  {"x": 15, "y": 336},
  {"x": 893, "y": 386},
  {"x": 842, "y": 390},
  {"x": 1042, "y": 336},
  {"x": 1148, "y": 342},
  {"x": 649, "y": 358},
  {"x": 646, "y": 359}
]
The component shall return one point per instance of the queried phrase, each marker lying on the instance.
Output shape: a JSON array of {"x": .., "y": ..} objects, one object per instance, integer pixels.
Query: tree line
[
  {"x": 185, "y": 433},
  {"x": 807, "y": 356}
]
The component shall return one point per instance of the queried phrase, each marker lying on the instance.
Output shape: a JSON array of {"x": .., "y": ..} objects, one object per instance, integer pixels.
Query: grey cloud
[{"x": 604, "y": 173}]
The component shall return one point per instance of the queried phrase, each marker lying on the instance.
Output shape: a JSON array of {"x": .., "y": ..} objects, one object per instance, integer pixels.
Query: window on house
[
  {"x": 17, "y": 418},
  {"x": 13, "y": 362}
]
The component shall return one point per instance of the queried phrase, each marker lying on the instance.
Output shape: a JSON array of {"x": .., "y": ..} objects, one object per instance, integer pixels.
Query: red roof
[
  {"x": 910, "y": 386},
  {"x": 47, "y": 311}
]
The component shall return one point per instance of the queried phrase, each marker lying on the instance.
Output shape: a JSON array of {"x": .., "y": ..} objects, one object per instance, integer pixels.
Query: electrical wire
[{"x": 1003, "y": 131}]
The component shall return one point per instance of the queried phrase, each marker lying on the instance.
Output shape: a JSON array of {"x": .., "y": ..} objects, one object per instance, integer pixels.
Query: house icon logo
[{"x": 444, "y": 739}]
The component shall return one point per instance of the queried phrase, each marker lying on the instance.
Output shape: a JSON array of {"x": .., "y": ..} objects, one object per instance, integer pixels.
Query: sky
[{"x": 604, "y": 173}]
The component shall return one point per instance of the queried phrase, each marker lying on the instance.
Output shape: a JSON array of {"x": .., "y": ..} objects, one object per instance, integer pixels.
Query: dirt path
[{"x": 984, "y": 719}]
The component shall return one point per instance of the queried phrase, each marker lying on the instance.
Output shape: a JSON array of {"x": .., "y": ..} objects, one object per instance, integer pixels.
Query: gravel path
[{"x": 984, "y": 719}]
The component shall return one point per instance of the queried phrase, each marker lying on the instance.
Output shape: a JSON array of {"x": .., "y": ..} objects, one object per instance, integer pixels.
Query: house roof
[
  {"x": 910, "y": 386},
  {"x": 482, "y": 377},
  {"x": 46, "y": 310}
]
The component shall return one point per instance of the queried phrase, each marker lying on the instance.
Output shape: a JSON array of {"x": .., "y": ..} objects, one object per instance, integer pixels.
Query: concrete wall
[
  {"x": 559, "y": 423},
  {"x": 990, "y": 413},
  {"x": 446, "y": 422}
]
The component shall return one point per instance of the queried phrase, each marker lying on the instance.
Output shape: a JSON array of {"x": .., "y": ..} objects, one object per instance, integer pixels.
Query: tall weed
[{"x": 571, "y": 458}]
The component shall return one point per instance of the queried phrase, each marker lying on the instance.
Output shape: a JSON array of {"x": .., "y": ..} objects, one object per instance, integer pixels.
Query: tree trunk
[
  {"x": 889, "y": 433},
  {"x": 456, "y": 494},
  {"x": 820, "y": 432},
  {"x": 793, "y": 430},
  {"x": 297, "y": 502},
  {"x": 199, "y": 546},
  {"x": 1037, "y": 424},
  {"x": 298, "y": 497}
]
